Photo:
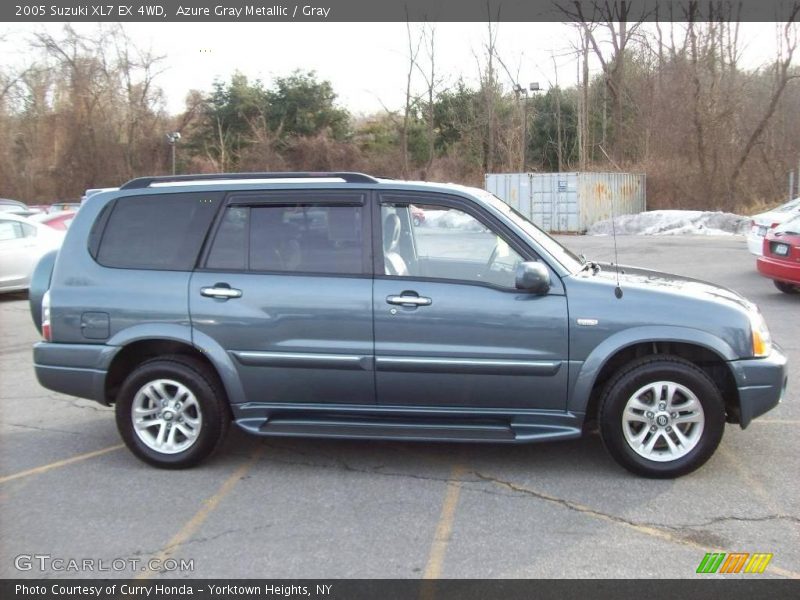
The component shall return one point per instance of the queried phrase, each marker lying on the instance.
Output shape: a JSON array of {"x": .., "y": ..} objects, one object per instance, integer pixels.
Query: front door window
[{"x": 439, "y": 242}]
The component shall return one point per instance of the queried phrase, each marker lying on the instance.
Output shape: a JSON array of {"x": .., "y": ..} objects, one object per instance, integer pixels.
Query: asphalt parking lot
[{"x": 272, "y": 508}]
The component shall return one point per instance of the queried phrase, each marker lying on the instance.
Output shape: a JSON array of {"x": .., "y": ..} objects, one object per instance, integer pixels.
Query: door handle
[
  {"x": 221, "y": 291},
  {"x": 409, "y": 300}
]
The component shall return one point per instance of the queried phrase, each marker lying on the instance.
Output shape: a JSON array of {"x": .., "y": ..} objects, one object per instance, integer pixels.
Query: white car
[
  {"x": 22, "y": 244},
  {"x": 762, "y": 223}
]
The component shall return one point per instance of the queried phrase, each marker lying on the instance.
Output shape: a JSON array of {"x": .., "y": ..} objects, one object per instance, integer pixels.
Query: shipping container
[{"x": 569, "y": 202}]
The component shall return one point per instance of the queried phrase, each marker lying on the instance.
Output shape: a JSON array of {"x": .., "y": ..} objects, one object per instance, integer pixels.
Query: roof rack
[{"x": 143, "y": 182}]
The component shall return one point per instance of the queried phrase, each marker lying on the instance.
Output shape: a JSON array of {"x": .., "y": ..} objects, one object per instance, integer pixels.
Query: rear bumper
[
  {"x": 782, "y": 270},
  {"x": 761, "y": 383},
  {"x": 73, "y": 369}
]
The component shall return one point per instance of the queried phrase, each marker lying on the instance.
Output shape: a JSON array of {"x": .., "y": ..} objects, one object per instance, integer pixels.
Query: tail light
[
  {"x": 774, "y": 225},
  {"x": 47, "y": 333}
]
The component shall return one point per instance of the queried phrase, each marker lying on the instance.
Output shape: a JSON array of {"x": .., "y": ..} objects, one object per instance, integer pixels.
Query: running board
[
  {"x": 381, "y": 428},
  {"x": 405, "y": 428}
]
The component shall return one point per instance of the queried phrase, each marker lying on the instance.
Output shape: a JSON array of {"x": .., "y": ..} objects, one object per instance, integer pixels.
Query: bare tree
[
  {"x": 431, "y": 87},
  {"x": 137, "y": 69},
  {"x": 413, "y": 52},
  {"x": 488, "y": 79},
  {"x": 783, "y": 74},
  {"x": 613, "y": 18}
]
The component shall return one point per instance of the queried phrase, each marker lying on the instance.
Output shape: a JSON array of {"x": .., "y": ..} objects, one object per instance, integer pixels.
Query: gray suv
[{"x": 345, "y": 306}]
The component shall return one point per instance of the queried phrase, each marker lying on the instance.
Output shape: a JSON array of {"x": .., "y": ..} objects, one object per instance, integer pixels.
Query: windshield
[{"x": 563, "y": 255}]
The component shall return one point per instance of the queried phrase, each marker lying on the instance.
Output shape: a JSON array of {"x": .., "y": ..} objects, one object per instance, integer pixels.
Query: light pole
[
  {"x": 173, "y": 138},
  {"x": 522, "y": 94}
]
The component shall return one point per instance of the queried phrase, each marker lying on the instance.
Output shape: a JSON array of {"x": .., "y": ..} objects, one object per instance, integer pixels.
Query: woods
[{"x": 671, "y": 100}]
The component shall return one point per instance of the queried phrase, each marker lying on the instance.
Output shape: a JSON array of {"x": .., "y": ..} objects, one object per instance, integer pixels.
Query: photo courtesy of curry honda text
[{"x": 341, "y": 305}]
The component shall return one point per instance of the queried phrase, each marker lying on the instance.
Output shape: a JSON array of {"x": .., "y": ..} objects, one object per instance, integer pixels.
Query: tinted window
[
  {"x": 161, "y": 232},
  {"x": 298, "y": 238},
  {"x": 229, "y": 250}
]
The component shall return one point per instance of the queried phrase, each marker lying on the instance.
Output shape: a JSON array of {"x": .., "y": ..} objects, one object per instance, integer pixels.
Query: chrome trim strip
[
  {"x": 302, "y": 360},
  {"x": 466, "y": 365}
]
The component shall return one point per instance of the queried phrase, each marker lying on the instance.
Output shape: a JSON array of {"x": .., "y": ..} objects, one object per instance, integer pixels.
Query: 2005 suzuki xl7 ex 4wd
[{"x": 341, "y": 305}]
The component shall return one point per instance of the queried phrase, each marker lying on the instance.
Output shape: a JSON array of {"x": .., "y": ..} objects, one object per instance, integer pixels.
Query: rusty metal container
[{"x": 569, "y": 202}]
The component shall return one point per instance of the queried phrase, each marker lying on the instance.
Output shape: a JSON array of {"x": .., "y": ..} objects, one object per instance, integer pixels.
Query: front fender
[{"x": 582, "y": 384}]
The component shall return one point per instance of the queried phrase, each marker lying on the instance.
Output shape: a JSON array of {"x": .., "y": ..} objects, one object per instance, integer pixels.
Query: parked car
[
  {"x": 58, "y": 220},
  {"x": 190, "y": 301},
  {"x": 15, "y": 207},
  {"x": 22, "y": 244},
  {"x": 62, "y": 206},
  {"x": 762, "y": 223},
  {"x": 781, "y": 256},
  {"x": 7, "y": 204}
]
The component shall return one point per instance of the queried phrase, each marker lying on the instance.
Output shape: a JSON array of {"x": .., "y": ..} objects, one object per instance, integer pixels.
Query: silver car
[{"x": 22, "y": 244}]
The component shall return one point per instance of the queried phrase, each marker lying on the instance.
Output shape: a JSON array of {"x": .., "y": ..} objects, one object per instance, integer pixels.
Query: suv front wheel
[
  {"x": 661, "y": 417},
  {"x": 171, "y": 412}
]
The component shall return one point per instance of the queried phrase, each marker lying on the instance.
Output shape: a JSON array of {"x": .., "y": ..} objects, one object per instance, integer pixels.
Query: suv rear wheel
[
  {"x": 171, "y": 412},
  {"x": 661, "y": 417}
]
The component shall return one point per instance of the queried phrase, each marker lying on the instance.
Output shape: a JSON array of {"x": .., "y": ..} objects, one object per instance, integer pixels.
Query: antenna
[{"x": 618, "y": 289}]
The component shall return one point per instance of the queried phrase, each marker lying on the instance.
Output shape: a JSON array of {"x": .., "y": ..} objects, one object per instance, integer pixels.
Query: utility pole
[
  {"x": 583, "y": 130},
  {"x": 522, "y": 95},
  {"x": 522, "y": 98},
  {"x": 173, "y": 138}
]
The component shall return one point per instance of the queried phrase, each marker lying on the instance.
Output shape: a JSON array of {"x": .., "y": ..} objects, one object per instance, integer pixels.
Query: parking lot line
[
  {"x": 59, "y": 463},
  {"x": 201, "y": 515},
  {"x": 444, "y": 528}
]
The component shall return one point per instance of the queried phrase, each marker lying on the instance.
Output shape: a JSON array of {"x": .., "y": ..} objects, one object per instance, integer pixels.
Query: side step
[{"x": 382, "y": 428}]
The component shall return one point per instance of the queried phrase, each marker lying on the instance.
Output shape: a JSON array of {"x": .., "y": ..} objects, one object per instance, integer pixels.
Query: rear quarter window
[{"x": 157, "y": 232}]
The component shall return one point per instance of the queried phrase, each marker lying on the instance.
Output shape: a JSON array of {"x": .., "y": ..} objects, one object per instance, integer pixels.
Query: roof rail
[{"x": 143, "y": 182}]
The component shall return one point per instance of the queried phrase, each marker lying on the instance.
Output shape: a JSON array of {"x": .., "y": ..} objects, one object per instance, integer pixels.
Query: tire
[
  {"x": 688, "y": 416},
  {"x": 172, "y": 390},
  {"x": 787, "y": 288}
]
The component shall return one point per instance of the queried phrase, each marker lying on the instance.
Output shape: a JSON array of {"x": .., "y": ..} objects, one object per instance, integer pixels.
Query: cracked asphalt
[{"x": 287, "y": 508}]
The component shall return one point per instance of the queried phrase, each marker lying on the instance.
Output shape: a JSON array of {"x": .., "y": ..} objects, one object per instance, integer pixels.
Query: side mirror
[{"x": 533, "y": 277}]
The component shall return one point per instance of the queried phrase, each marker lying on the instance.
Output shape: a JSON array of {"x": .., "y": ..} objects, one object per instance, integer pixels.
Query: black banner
[
  {"x": 395, "y": 589},
  {"x": 178, "y": 11}
]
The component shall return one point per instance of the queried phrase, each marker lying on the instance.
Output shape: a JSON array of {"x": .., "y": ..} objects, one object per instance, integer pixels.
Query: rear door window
[{"x": 303, "y": 237}]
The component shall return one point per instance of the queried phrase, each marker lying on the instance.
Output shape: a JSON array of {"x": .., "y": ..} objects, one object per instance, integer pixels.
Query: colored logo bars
[{"x": 736, "y": 562}]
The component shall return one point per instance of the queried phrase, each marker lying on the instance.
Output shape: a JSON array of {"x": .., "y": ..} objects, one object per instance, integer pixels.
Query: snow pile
[{"x": 674, "y": 222}]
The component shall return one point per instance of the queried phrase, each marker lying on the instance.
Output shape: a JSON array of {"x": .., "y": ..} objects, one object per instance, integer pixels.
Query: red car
[
  {"x": 58, "y": 220},
  {"x": 781, "y": 259}
]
